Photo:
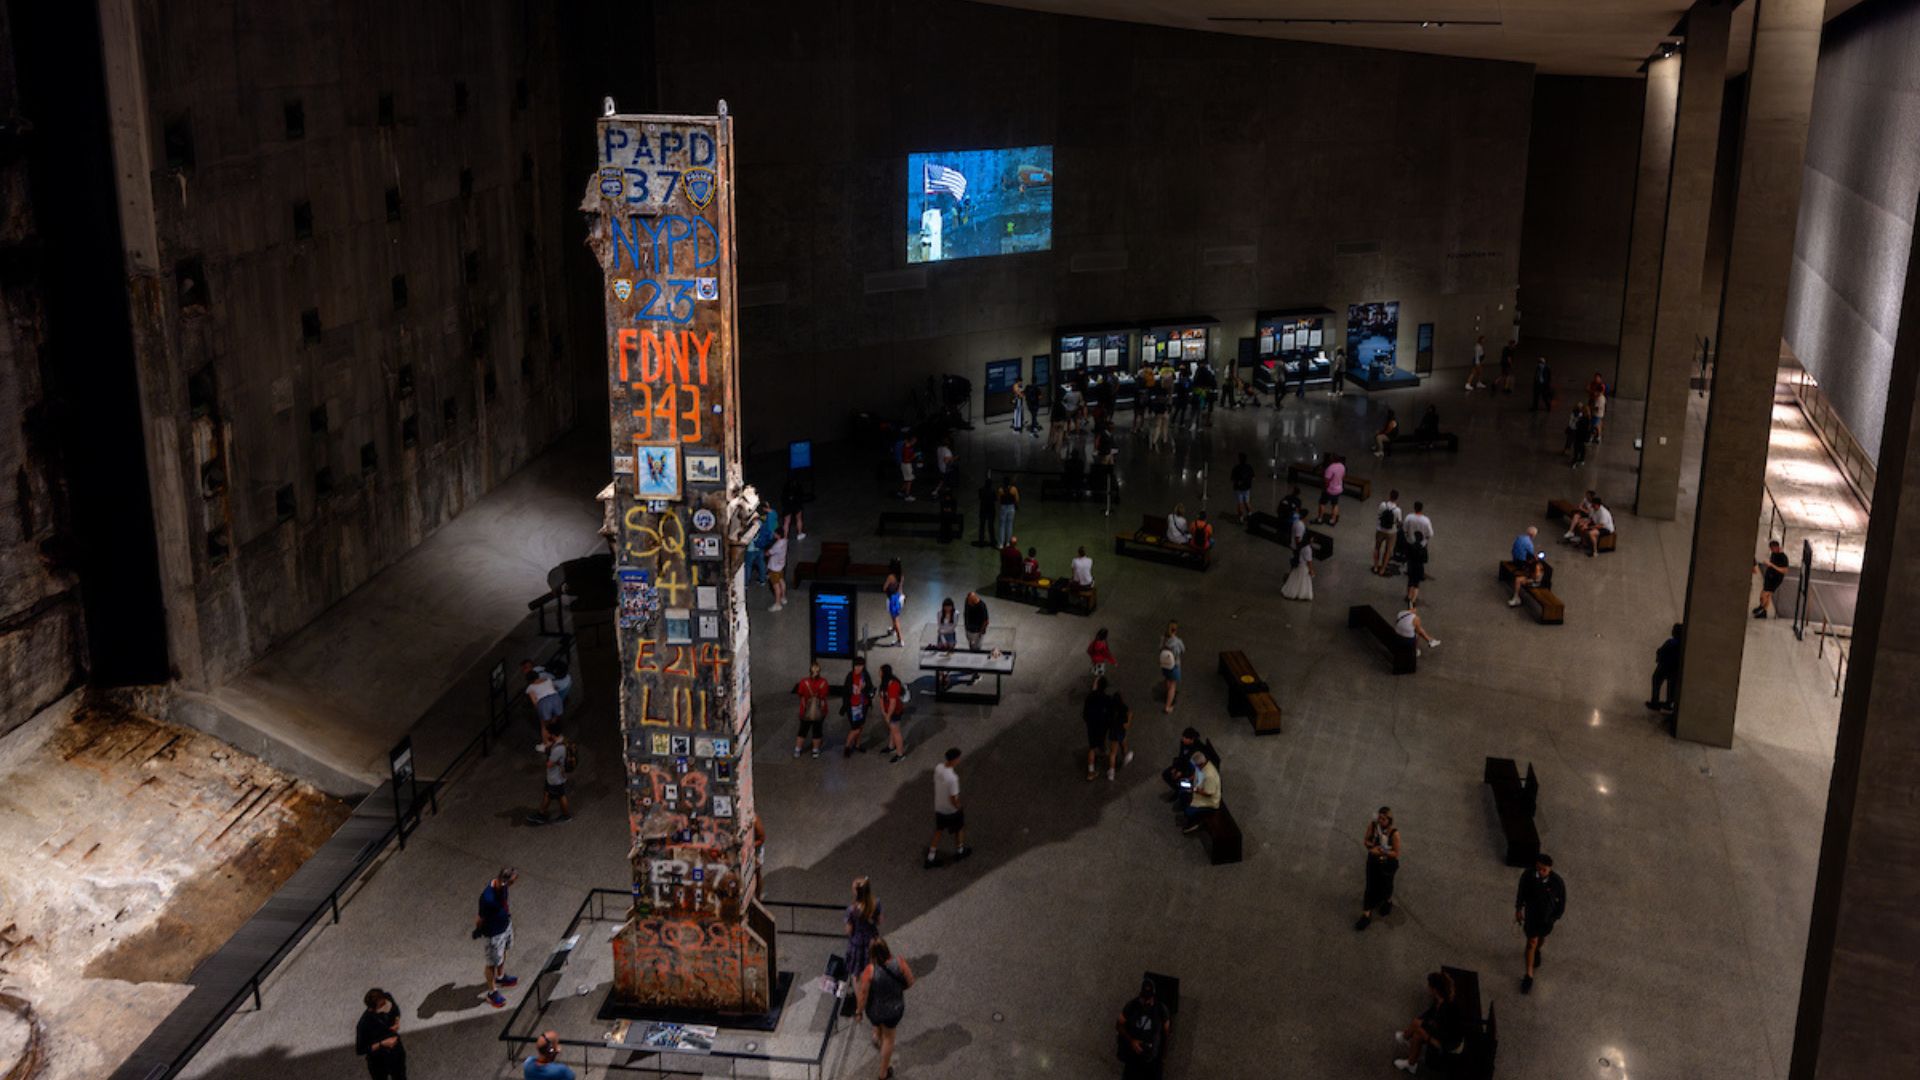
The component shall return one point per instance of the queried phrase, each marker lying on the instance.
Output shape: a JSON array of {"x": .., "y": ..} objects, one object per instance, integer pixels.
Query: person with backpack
[
  {"x": 561, "y": 758},
  {"x": 893, "y": 705},
  {"x": 882, "y": 999},
  {"x": 1386, "y": 531},
  {"x": 813, "y": 692}
]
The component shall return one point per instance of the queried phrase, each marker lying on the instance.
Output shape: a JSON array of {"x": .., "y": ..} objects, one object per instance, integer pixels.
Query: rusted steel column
[{"x": 661, "y": 207}]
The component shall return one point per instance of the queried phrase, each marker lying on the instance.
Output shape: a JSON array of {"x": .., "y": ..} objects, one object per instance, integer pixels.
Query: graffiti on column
[{"x": 662, "y": 220}]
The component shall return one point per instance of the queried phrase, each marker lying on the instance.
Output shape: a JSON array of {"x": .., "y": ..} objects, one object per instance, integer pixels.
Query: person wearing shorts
[
  {"x": 1538, "y": 905},
  {"x": 544, "y": 693},
  {"x": 1119, "y": 719},
  {"x": 907, "y": 446},
  {"x": 1171, "y": 651},
  {"x": 1094, "y": 713},
  {"x": 1242, "y": 488},
  {"x": 1333, "y": 482},
  {"x": 859, "y": 688},
  {"x": 494, "y": 926},
  {"x": 812, "y": 692},
  {"x": 896, "y": 603},
  {"x": 555, "y": 756},
  {"x": 948, "y": 816},
  {"x": 777, "y": 570}
]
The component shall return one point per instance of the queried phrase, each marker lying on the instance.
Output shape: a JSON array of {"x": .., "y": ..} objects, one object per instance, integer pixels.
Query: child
[
  {"x": 1030, "y": 569},
  {"x": 1101, "y": 654}
]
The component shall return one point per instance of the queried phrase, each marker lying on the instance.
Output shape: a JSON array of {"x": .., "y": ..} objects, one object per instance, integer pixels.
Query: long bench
[
  {"x": 1514, "y": 800},
  {"x": 1306, "y": 472},
  {"x": 1150, "y": 542},
  {"x": 1445, "y": 440},
  {"x": 1269, "y": 527},
  {"x": 1509, "y": 569},
  {"x": 1546, "y": 608},
  {"x": 836, "y": 564},
  {"x": 1401, "y": 651},
  {"x": 1053, "y": 594},
  {"x": 947, "y": 526},
  {"x": 1248, "y": 694},
  {"x": 1563, "y": 510},
  {"x": 1220, "y": 835}
]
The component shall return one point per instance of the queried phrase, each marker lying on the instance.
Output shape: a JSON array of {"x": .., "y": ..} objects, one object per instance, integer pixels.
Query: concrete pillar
[
  {"x": 1647, "y": 228},
  {"x": 1865, "y": 930},
  {"x": 1733, "y": 464},
  {"x": 1696, "y": 141}
]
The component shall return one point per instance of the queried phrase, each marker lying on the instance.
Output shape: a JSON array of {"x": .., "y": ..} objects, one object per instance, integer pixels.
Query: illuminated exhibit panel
[{"x": 966, "y": 203}]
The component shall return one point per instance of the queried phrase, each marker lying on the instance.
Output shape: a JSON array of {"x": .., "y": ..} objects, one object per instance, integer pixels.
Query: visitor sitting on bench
[
  {"x": 1524, "y": 546},
  {"x": 1386, "y": 434},
  {"x": 1578, "y": 520},
  {"x": 1202, "y": 532},
  {"x": 1599, "y": 523},
  {"x": 1083, "y": 570},
  {"x": 1202, "y": 795},
  {"x": 1177, "y": 525},
  {"x": 1011, "y": 564},
  {"x": 1429, "y": 428},
  {"x": 1182, "y": 768},
  {"x": 1439, "y": 1026},
  {"x": 1408, "y": 625},
  {"x": 1030, "y": 568},
  {"x": 1528, "y": 575}
]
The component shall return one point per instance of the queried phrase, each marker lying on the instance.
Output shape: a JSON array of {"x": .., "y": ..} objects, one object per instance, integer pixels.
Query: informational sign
[
  {"x": 1423, "y": 349},
  {"x": 800, "y": 454},
  {"x": 998, "y": 391},
  {"x": 834, "y": 612}
]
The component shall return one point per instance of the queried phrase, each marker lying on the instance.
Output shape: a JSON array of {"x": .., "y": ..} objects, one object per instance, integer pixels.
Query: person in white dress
[{"x": 1299, "y": 584}]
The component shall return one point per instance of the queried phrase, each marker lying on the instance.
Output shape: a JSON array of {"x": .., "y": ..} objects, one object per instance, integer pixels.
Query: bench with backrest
[
  {"x": 1220, "y": 835},
  {"x": 1401, "y": 651},
  {"x": 1248, "y": 694},
  {"x": 1054, "y": 594},
  {"x": 946, "y": 526},
  {"x": 1539, "y": 600},
  {"x": 1270, "y": 527},
  {"x": 1514, "y": 800},
  {"x": 1563, "y": 510},
  {"x": 1149, "y": 541},
  {"x": 836, "y": 564},
  {"x": 1444, "y": 440},
  {"x": 1306, "y": 472}
]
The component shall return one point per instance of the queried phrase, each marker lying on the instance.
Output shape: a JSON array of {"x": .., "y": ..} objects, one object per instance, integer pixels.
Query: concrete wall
[
  {"x": 1220, "y": 174},
  {"x": 1580, "y": 180},
  {"x": 42, "y": 630},
  {"x": 308, "y": 426},
  {"x": 1862, "y": 178}
]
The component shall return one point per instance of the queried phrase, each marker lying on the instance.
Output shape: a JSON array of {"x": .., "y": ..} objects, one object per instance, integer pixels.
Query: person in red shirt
[
  {"x": 893, "y": 706},
  {"x": 812, "y": 692},
  {"x": 1101, "y": 654},
  {"x": 1011, "y": 563},
  {"x": 1202, "y": 531},
  {"x": 859, "y": 688}
]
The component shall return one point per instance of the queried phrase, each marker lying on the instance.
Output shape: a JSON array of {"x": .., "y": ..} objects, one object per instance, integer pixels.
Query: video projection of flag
[{"x": 967, "y": 203}]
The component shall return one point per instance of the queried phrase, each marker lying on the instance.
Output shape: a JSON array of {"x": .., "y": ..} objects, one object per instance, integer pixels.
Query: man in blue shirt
[
  {"x": 1523, "y": 545},
  {"x": 544, "y": 1064},
  {"x": 493, "y": 924}
]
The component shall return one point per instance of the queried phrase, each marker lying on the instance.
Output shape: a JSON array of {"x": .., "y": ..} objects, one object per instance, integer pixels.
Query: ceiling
[{"x": 1562, "y": 37}]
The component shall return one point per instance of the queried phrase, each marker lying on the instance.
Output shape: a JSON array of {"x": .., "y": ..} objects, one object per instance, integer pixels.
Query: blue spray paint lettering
[{"x": 663, "y": 235}]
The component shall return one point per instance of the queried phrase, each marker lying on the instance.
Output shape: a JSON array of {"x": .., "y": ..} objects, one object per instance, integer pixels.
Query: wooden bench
[
  {"x": 1400, "y": 651},
  {"x": 1220, "y": 835},
  {"x": 1509, "y": 569},
  {"x": 1150, "y": 542},
  {"x": 1248, "y": 694},
  {"x": 1270, "y": 527},
  {"x": 1514, "y": 801},
  {"x": 947, "y": 526},
  {"x": 1546, "y": 608},
  {"x": 1445, "y": 440},
  {"x": 1053, "y": 594},
  {"x": 836, "y": 564},
  {"x": 1562, "y": 510},
  {"x": 1306, "y": 472}
]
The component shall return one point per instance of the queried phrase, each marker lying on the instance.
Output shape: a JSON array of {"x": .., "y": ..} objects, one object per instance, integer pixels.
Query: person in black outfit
[
  {"x": 377, "y": 1037},
  {"x": 1242, "y": 477},
  {"x": 1143, "y": 1029},
  {"x": 1666, "y": 672},
  {"x": 1537, "y": 905},
  {"x": 1182, "y": 767},
  {"x": 1439, "y": 1026},
  {"x": 1033, "y": 409},
  {"x": 989, "y": 505},
  {"x": 1429, "y": 424},
  {"x": 1414, "y": 548},
  {"x": 1773, "y": 573},
  {"x": 1290, "y": 505},
  {"x": 1542, "y": 387},
  {"x": 1382, "y": 840}
]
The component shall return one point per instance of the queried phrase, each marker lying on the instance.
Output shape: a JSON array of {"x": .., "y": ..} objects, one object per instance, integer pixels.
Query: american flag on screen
[{"x": 938, "y": 178}]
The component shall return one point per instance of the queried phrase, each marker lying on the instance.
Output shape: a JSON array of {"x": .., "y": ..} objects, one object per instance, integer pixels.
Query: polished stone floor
[{"x": 1689, "y": 869}]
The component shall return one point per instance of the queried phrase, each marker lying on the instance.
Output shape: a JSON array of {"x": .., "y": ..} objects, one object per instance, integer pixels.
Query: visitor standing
[
  {"x": 858, "y": 691},
  {"x": 1666, "y": 672},
  {"x": 863, "y": 926},
  {"x": 946, "y": 626},
  {"x": 1299, "y": 583},
  {"x": 1386, "y": 531},
  {"x": 1475, "y": 372},
  {"x": 908, "y": 451},
  {"x": 1019, "y": 406},
  {"x": 1416, "y": 556},
  {"x": 1119, "y": 723},
  {"x": 974, "y": 619},
  {"x": 494, "y": 926},
  {"x": 1093, "y": 714},
  {"x": 893, "y": 706},
  {"x": 558, "y": 758},
  {"x": 1333, "y": 482},
  {"x": 377, "y": 1037},
  {"x": 896, "y": 603},
  {"x": 1382, "y": 841},
  {"x": 544, "y": 1062},
  {"x": 1008, "y": 500},
  {"x": 948, "y": 815},
  {"x": 1033, "y": 410},
  {"x": 777, "y": 570},
  {"x": 793, "y": 501},
  {"x": 544, "y": 693},
  {"x": 1582, "y": 434},
  {"x": 1101, "y": 655},
  {"x": 1143, "y": 1027},
  {"x": 1418, "y": 524},
  {"x": 1242, "y": 478},
  {"x": 813, "y": 692},
  {"x": 1542, "y": 387},
  {"x": 883, "y": 999},
  {"x": 1172, "y": 651},
  {"x": 989, "y": 496},
  {"x": 1773, "y": 573},
  {"x": 1538, "y": 904}
]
